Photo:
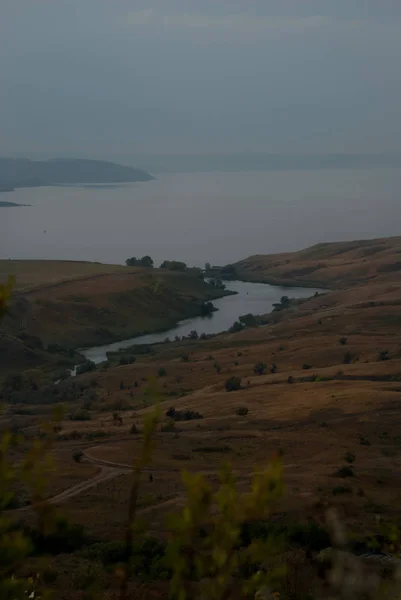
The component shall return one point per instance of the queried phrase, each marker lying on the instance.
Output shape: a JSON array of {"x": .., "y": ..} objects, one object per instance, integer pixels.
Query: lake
[
  {"x": 255, "y": 298},
  {"x": 199, "y": 217}
]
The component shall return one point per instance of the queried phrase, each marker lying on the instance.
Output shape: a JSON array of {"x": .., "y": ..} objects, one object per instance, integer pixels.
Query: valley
[{"x": 318, "y": 384}]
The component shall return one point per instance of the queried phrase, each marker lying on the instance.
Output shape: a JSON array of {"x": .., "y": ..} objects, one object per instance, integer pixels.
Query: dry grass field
[
  {"x": 77, "y": 304},
  {"x": 329, "y": 398}
]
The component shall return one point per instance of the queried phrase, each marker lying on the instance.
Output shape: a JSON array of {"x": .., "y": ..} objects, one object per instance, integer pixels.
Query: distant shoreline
[{"x": 11, "y": 204}]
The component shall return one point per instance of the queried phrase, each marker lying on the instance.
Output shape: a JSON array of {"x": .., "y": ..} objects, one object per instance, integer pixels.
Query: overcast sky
[{"x": 90, "y": 77}]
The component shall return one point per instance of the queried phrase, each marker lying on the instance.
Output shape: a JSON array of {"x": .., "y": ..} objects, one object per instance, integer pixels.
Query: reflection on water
[{"x": 255, "y": 298}]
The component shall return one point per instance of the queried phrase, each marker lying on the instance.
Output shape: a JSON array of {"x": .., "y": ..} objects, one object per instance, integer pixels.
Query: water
[
  {"x": 199, "y": 217},
  {"x": 255, "y": 298}
]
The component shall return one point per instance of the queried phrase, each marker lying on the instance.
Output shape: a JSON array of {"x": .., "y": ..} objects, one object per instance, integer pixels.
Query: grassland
[
  {"x": 77, "y": 304},
  {"x": 330, "y": 391}
]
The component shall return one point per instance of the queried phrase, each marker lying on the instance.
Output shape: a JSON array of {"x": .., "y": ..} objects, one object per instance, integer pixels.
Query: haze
[{"x": 118, "y": 78}]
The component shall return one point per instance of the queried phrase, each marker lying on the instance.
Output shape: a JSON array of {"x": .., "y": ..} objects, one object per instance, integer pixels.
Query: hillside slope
[
  {"x": 85, "y": 304},
  {"x": 332, "y": 265}
]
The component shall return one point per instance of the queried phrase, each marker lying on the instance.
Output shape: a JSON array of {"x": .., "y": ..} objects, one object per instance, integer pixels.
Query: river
[{"x": 255, "y": 298}]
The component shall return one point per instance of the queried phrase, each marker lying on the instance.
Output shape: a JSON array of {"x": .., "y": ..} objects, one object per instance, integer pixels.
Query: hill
[
  {"x": 22, "y": 172},
  {"x": 327, "y": 399},
  {"x": 78, "y": 304},
  {"x": 332, "y": 265}
]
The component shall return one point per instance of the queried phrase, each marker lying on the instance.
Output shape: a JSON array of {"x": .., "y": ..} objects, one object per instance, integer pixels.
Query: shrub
[
  {"x": 349, "y": 457},
  {"x": 364, "y": 441},
  {"x": 168, "y": 426},
  {"x": 80, "y": 415},
  {"x": 260, "y": 368},
  {"x": 183, "y": 415},
  {"x": 241, "y": 411},
  {"x": 273, "y": 368},
  {"x": 290, "y": 379},
  {"x": 217, "y": 367},
  {"x": 343, "y": 341},
  {"x": 383, "y": 355},
  {"x": 162, "y": 372},
  {"x": 306, "y": 367},
  {"x": 344, "y": 472},
  {"x": 86, "y": 367},
  {"x": 133, "y": 428},
  {"x": 185, "y": 357},
  {"x": 341, "y": 490},
  {"x": 78, "y": 455},
  {"x": 64, "y": 538},
  {"x": 349, "y": 358},
  {"x": 233, "y": 383},
  {"x": 222, "y": 449}
]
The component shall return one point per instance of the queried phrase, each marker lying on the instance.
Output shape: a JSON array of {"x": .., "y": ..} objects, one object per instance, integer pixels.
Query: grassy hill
[
  {"x": 328, "y": 402},
  {"x": 81, "y": 304},
  {"x": 332, "y": 265}
]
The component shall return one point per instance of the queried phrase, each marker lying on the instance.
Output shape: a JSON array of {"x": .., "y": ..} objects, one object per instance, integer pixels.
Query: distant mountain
[{"x": 22, "y": 172}]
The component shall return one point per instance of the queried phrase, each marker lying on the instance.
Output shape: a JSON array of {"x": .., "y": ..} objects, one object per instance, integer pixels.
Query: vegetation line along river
[{"x": 255, "y": 298}]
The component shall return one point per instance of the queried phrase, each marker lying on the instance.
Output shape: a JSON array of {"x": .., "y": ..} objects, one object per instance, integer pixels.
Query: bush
[
  {"x": 162, "y": 372},
  {"x": 273, "y": 368},
  {"x": 344, "y": 472},
  {"x": 65, "y": 538},
  {"x": 241, "y": 411},
  {"x": 183, "y": 415},
  {"x": 260, "y": 368},
  {"x": 133, "y": 428},
  {"x": 349, "y": 358},
  {"x": 185, "y": 357},
  {"x": 349, "y": 457},
  {"x": 168, "y": 426},
  {"x": 80, "y": 415},
  {"x": 364, "y": 441},
  {"x": 78, "y": 455},
  {"x": 217, "y": 367},
  {"x": 341, "y": 490},
  {"x": 86, "y": 367},
  {"x": 343, "y": 341},
  {"x": 212, "y": 449},
  {"x": 306, "y": 367},
  {"x": 233, "y": 384},
  {"x": 383, "y": 355}
]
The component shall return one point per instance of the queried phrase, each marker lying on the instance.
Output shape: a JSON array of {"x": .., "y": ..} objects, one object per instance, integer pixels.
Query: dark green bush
[
  {"x": 78, "y": 455},
  {"x": 183, "y": 415},
  {"x": 344, "y": 472},
  {"x": 162, "y": 372},
  {"x": 233, "y": 384},
  {"x": 241, "y": 411},
  {"x": 86, "y": 367},
  {"x": 260, "y": 368},
  {"x": 341, "y": 490}
]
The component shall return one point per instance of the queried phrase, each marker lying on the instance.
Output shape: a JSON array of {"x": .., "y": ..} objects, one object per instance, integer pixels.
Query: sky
[{"x": 119, "y": 77}]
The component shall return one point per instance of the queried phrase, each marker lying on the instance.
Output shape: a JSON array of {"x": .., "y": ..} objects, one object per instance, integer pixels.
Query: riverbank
[
  {"x": 85, "y": 304},
  {"x": 245, "y": 298}
]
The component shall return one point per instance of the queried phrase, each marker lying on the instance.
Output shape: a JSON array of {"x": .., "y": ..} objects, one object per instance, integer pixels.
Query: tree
[
  {"x": 85, "y": 367},
  {"x": 208, "y": 266},
  {"x": 146, "y": 261},
  {"x": 131, "y": 262},
  {"x": 173, "y": 265}
]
